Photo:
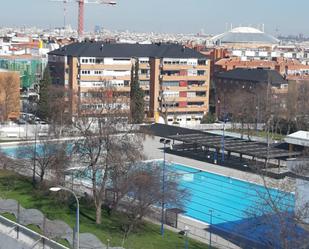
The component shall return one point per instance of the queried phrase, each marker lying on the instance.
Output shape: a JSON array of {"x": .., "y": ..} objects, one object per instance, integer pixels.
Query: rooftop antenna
[
  {"x": 277, "y": 32},
  {"x": 64, "y": 12}
]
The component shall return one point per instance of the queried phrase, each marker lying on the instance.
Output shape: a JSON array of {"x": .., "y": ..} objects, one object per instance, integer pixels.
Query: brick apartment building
[
  {"x": 289, "y": 68},
  {"x": 175, "y": 79},
  {"x": 9, "y": 95},
  {"x": 243, "y": 92}
]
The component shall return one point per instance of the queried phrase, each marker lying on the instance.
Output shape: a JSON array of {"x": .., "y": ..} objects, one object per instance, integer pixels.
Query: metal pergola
[{"x": 231, "y": 145}]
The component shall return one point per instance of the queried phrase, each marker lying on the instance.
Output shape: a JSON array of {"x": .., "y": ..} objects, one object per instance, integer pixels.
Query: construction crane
[{"x": 81, "y": 7}]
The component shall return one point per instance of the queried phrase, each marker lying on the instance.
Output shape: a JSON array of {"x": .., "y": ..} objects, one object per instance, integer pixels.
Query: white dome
[
  {"x": 246, "y": 30},
  {"x": 244, "y": 35}
]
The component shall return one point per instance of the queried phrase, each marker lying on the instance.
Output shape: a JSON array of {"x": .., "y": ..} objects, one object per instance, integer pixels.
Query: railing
[{"x": 26, "y": 235}]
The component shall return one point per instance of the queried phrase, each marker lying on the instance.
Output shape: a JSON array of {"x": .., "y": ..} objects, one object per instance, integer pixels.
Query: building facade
[
  {"x": 30, "y": 68},
  {"x": 250, "y": 94},
  {"x": 175, "y": 79}
]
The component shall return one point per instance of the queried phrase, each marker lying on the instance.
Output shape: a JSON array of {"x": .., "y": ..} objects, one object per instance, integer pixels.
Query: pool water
[
  {"x": 236, "y": 209},
  {"x": 224, "y": 199},
  {"x": 25, "y": 151}
]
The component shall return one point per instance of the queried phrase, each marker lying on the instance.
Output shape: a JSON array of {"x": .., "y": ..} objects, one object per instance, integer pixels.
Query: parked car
[{"x": 20, "y": 121}]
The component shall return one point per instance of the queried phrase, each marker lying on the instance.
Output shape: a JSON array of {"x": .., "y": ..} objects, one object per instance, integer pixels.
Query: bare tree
[
  {"x": 5, "y": 161},
  {"x": 59, "y": 109},
  {"x": 44, "y": 156},
  {"x": 166, "y": 106},
  {"x": 145, "y": 194},
  {"x": 276, "y": 214},
  {"x": 9, "y": 97},
  {"x": 108, "y": 143}
]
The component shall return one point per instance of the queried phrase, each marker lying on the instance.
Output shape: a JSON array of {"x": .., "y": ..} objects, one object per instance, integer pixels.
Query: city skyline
[{"x": 180, "y": 16}]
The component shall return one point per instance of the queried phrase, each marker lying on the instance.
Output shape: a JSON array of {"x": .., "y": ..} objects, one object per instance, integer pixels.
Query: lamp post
[
  {"x": 34, "y": 156},
  {"x": 58, "y": 188},
  {"x": 165, "y": 142},
  {"x": 223, "y": 137},
  {"x": 186, "y": 230},
  {"x": 210, "y": 211}
]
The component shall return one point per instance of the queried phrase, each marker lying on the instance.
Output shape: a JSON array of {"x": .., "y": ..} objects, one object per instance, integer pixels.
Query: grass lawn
[{"x": 147, "y": 236}]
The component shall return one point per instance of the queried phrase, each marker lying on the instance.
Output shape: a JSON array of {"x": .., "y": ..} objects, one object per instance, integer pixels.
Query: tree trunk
[
  {"x": 42, "y": 176},
  {"x": 98, "y": 213},
  {"x": 242, "y": 129}
]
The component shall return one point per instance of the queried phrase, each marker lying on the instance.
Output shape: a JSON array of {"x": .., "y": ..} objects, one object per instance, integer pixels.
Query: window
[
  {"x": 170, "y": 83},
  {"x": 144, "y": 82}
]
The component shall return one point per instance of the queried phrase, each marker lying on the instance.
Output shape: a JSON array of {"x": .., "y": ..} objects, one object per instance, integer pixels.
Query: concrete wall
[{"x": 300, "y": 167}]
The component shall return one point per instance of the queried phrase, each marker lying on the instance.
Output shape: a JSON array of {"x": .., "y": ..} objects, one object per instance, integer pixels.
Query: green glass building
[{"x": 30, "y": 69}]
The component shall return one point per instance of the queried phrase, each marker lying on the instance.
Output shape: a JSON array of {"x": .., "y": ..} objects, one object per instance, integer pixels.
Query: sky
[{"x": 168, "y": 16}]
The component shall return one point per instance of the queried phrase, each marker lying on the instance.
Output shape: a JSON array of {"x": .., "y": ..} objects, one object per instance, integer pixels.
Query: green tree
[
  {"x": 43, "y": 105},
  {"x": 136, "y": 96}
]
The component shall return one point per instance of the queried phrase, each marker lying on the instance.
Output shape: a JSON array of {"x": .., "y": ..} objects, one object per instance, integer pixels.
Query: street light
[
  {"x": 211, "y": 211},
  {"x": 187, "y": 230},
  {"x": 165, "y": 142},
  {"x": 223, "y": 137},
  {"x": 58, "y": 188},
  {"x": 34, "y": 156}
]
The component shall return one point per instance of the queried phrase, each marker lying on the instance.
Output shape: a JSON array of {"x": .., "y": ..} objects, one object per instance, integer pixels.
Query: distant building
[
  {"x": 175, "y": 79},
  {"x": 9, "y": 95},
  {"x": 289, "y": 68},
  {"x": 244, "y": 91},
  {"x": 30, "y": 67},
  {"x": 244, "y": 37}
]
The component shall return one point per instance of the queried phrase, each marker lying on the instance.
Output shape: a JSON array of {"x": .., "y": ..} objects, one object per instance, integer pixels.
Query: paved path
[{"x": 54, "y": 229}]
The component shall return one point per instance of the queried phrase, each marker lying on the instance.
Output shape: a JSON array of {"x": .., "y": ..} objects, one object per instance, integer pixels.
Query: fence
[{"x": 26, "y": 236}]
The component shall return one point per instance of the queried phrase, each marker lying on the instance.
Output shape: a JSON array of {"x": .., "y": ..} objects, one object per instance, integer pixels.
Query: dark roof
[
  {"x": 124, "y": 50},
  {"x": 253, "y": 75},
  {"x": 232, "y": 144}
]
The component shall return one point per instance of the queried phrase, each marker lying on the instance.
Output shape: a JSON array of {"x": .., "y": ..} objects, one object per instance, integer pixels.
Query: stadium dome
[{"x": 244, "y": 35}]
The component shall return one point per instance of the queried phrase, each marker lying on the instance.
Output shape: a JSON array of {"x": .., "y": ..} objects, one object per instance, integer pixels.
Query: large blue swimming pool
[
  {"x": 236, "y": 209},
  {"x": 226, "y": 198}
]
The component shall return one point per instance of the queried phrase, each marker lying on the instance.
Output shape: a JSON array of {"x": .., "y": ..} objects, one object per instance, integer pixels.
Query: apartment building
[
  {"x": 245, "y": 93},
  {"x": 291, "y": 69},
  {"x": 175, "y": 79}
]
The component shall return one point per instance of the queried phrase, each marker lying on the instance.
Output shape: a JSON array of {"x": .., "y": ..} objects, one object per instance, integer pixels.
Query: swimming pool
[
  {"x": 228, "y": 199},
  {"x": 25, "y": 151},
  {"x": 235, "y": 209}
]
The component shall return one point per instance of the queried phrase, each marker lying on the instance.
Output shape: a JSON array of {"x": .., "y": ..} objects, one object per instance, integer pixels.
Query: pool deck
[{"x": 154, "y": 150}]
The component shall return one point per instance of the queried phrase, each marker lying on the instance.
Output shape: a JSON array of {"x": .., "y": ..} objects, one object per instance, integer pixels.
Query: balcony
[
  {"x": 144, "y": 76},
  {"x": 144, "y": 66},
  {"x": 185, "y": 99},
  {"x": 101, "y": 78},
  {"x": 179, "y": 67},
  {"x": 183, "y": 77},
  {"x": 104, "y": 66},
  {"x": 195, "y": 88},
  {"x": 186, "y": 109}
]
